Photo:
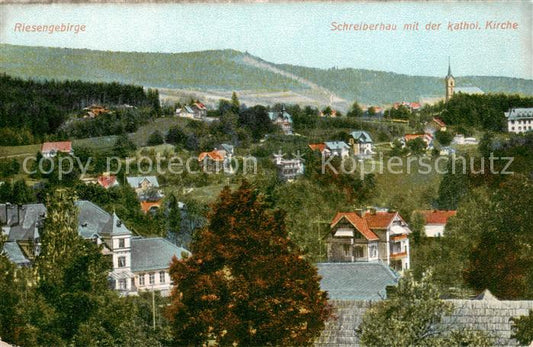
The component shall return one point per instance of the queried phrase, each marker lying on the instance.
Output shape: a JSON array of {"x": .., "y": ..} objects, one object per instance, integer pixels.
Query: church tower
[{"x": 450, "y": 82}]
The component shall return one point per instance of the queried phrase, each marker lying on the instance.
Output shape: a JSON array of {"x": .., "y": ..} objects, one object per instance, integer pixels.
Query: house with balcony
[
  {"x": 288, "y": 169},
  {"x": 369, "y": 236}
]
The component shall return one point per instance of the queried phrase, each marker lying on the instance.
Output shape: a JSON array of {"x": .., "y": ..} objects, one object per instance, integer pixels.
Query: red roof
[
  {"x": 409, "y": 137},
  {"x": 147, "y": 205},
  {"x": 379, "y": 220},
  {"x": 359, "y": 223},
  {"x": 200, "y": 105},
  {"x": 107, "y": 181},
  {"x": 439, "y": 122},
  {"x": 214, "y": 155},
  {"x": 62, "y": 146},
  {"x": 437, "y": 216},
  {"x": 317, "y": 146}
]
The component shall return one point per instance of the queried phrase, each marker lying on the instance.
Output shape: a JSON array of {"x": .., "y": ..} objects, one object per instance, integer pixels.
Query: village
[{"x": 363, "y": 233}]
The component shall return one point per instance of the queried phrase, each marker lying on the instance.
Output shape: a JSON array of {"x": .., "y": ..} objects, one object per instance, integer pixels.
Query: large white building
[
  {"x": 519, "y": 120},
  {"x": 138, "y": 263}
]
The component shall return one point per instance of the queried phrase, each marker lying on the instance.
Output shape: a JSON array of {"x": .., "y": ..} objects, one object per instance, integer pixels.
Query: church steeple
[{"x": 449, "y": 81}]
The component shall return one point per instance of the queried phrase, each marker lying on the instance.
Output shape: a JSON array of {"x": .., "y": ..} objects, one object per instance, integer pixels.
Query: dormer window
[
  {"x": 84, "y": 225},
  {"x": 121, "y": 243}
]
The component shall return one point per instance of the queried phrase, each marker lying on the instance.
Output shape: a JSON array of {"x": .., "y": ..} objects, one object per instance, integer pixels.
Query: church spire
[{"x": 449, "y": 68}]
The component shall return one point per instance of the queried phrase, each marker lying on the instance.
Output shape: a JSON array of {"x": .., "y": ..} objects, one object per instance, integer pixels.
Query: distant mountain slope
[
  {"x": 228, "y": 70},
  {"x": 204, "y": 70},
  {"x": 387, "y": 87}
]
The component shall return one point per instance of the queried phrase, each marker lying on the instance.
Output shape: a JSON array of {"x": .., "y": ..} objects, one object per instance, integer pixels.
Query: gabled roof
[
  {"x": 135, "y": 182},
  {"x": 356, "y": 281},
  {"x": 439, "y": 122},
  {"x": 62, "y": 146},
  {"x": 317, "y": 147},
  {"x": 148, "y": 254},
  {"x": 189, "y": 109},
  {"x": 115, "y": 227},
  {"x": 227, "y": 147},
  {"x": 213, "y": 155},
  {"x": 15, "y": 254},
  {"x": 519, "y": 113},
  {"x": 107, "y": 181},
  {"x": 358, "y": 223},
  {"x": 332, "y": 145},
  {"x": 361, "y": 136},
  {"x": 379, "y": 219},
  {"x": 437, "y": 216}
]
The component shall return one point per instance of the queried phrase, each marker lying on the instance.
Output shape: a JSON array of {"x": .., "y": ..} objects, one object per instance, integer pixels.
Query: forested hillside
[
  {"x": 228, "y": 70},
  {"x": 29, "y": 109}
]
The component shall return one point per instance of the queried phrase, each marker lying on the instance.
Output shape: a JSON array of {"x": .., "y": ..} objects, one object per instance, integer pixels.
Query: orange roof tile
[
  {"x": 147, "y": 205},
  {"x": 317, "y": 146},
  {"x": 358, "y": 223},
  {"x": 107, "y": 181},
  {"x": 379, "y": 220},
  {"x": 437, "y": 216},
  {"x": 439, "y": 122},
  {"x": 214, "y": 155},
  {"x": 61, "y": 146}
]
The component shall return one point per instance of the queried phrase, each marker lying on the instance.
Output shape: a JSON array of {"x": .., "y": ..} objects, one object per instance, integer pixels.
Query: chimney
[{"x": 359, "y": 212}]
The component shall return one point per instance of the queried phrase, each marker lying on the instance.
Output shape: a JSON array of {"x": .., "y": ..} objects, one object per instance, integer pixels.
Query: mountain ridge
[{"x": 218, "y": 72}]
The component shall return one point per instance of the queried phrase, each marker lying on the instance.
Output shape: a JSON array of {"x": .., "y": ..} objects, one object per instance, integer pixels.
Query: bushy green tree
[
  {"x": 411, "y": 317},
  {"x": 523, "y": 328},
  {"x": 355, "y": 110},
  {"x": 155, "y": 138}
]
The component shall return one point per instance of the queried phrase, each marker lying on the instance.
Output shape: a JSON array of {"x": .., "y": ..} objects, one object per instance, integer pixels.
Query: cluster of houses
[
  {"x": 360, "y": 145},
  {"x": 196, "y": 110}
]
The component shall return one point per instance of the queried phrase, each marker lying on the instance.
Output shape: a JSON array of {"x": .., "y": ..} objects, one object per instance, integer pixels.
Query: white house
[
  {"x": 435, "y": 221},
  {"x": 519, "y": 120},
  {"x": 336, "y": 148},
  {"x": 288, "y": 169},
  {"x": 137, "y": 263},
  {"x": 282, "y": 119}
]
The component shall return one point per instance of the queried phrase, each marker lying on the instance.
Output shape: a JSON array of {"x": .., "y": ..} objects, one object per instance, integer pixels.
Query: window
[
  {"x": 162, "y": 277},
  {"x": 141, "y": 279},
  {"x": 346, "y": 249},
  {"x": 152, "y": 278},
  {"x": 373, "y": 251},
  {"x": 121, "y": 243},
  {"x": 121, "y": 261},
  {"x": 122, "y": 284},
  {"x": 358, "y": 251}
]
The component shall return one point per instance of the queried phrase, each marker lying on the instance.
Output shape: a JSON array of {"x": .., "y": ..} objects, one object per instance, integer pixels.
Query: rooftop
[
  {"x": 153, "y": 253},
  {"x": 519, "y": 113},
  {"x": 365, "y": 281},
  {"x": 361, "y": 136},
  {"x": 136, "y": 181},
  {"x": 437, "y": 216},
  {"x": 61, "y": 146}
]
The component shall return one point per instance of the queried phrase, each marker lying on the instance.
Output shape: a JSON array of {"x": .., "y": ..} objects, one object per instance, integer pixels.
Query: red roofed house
[
  {"x": 216, "y": 160},
  {"x": 199, "y": 110},
  {"x": 50, "y": 149},
  {"x": 107, "y": 181},
  {"x": 436, "y": 221},
  {"x": 411, "y": 106},
  {"x": 426, "y": 137},
  {"x": 369, "y": 236}
]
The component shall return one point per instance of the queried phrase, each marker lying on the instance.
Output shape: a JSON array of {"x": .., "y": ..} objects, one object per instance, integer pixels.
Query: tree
[
  {"x": 522, "y": 328},
  {"x": 371, "y": 111},
  {"x": 176, "y": 136},
  {"x": 411, "y": 317},
  {"x": 59, "y": 238},
  {"x": 416, "y": 146},
  {"x": 174, "y": 219},
  {"x": 355, "y": 110},
  {"x": 501, "y": 259},
  {"x": 235, "y": 104},
  {"x": 246, "y": 282},
  {"x": 155, "y": 138},
  {"x": 123, "y": 146},
  {"x": 444, "y": 137},
  {"x": 417, "y": 224}
]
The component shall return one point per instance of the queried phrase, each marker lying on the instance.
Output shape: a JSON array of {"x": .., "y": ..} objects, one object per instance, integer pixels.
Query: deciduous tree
[{"x": 246, "y": 282}]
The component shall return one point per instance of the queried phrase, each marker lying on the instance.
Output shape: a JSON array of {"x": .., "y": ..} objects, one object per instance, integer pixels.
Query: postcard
[{"x": 266, "y": 173}]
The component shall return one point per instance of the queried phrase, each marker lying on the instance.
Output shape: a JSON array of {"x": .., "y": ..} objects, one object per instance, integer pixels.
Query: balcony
[{"x": 398, "y": 255}]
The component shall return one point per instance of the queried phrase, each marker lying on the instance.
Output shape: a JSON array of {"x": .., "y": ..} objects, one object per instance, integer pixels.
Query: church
[{"x": 451, "y": 88}]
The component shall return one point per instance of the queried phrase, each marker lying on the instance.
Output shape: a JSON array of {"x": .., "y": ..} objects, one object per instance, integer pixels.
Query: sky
[{"x": 299, "y": 33}]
